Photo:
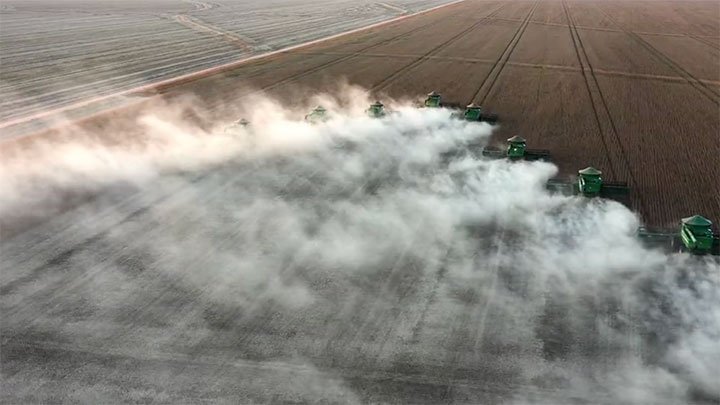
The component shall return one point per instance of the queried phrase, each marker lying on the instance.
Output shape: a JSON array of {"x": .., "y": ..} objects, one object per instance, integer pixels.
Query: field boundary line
[
  {"x": 706, "y": 91},
  {"x": 503, "y": 58},
  {"x": 209, "y": 71},
  {"x": 388, "y": 79}
]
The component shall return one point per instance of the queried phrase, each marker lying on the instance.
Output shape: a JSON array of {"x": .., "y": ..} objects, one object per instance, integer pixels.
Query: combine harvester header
[{"x": 694, "y": 235}]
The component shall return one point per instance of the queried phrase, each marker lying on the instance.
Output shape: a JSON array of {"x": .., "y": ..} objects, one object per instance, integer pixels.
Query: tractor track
[
  {"x": 703, "y": 89},
  {"x": 502, "y": 60},
  {"x": 594, "y": 91},
  {"x": 715, "y": 45},
  {"x": 388, "y": 79}
]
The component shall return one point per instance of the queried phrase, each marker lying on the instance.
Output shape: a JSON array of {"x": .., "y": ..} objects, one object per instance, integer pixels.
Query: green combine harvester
[
  {"x": 590, "y": 183},
  {"x": 376, "y": 110},
  {"x": 239, "y": 124},
  {"x": 434, "y": 100},
  {"x": 472, "y": 112},
  {"x": 694, "y": 235},
  {"x": 517, "y": 150},
  {"x": 317, "y": 115}
]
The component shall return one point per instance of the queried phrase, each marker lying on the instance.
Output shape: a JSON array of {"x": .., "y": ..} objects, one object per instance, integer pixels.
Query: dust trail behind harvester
[{"x": 353, "y": 248}]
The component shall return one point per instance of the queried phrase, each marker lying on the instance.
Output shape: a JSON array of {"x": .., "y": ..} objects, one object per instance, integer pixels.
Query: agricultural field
[
  {"x": 55, "y": 53},
  {"x": 152, "y": 253},
  {"x": 537, "y": 75}
]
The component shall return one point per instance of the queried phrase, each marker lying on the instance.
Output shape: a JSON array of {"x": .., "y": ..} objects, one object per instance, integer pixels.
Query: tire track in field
[
  {"x": 502, "y": 60},
  {"x": 715, "y": 45},
  {"x": 597, "y": 101},
  {"x": 709, "y": 93},
  {"x": 387, "y": 80}
]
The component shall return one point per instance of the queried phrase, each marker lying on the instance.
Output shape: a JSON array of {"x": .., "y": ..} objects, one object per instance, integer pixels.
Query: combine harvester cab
[
  {"x": 517, "y": 150},
  {"x": 318, "y": 115},
  {"x": 376, "y": 110},
  {"x": 694, "y": 236},
  {"x": 434, "y": 100},
  {"x": 474, "y": 113},
  {"x": 590, "y": 183},
  {"x": 237, "y": 126}
]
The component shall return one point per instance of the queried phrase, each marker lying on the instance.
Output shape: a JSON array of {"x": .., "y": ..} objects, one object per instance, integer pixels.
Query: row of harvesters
[
  {"x": 472, "y": 112},
  {"x": 694, "y": 234}
]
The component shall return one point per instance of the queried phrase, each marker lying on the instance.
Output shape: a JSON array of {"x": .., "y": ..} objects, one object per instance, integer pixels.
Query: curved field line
[
  {"x": 505, "y": 56},
  {"x": 703, "y": 89},
  {"x": 388, "y": 79}
]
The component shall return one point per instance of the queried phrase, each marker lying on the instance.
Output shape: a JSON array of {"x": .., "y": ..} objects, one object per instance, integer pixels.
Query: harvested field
[{"x": 151, "y": 254}]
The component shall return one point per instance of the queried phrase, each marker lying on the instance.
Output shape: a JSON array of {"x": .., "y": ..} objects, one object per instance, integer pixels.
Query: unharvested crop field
[{"x": 314, "y": 277}]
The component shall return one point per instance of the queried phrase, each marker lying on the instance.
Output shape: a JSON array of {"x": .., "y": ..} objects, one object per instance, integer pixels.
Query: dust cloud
[{"x": 293, "y": 218}]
